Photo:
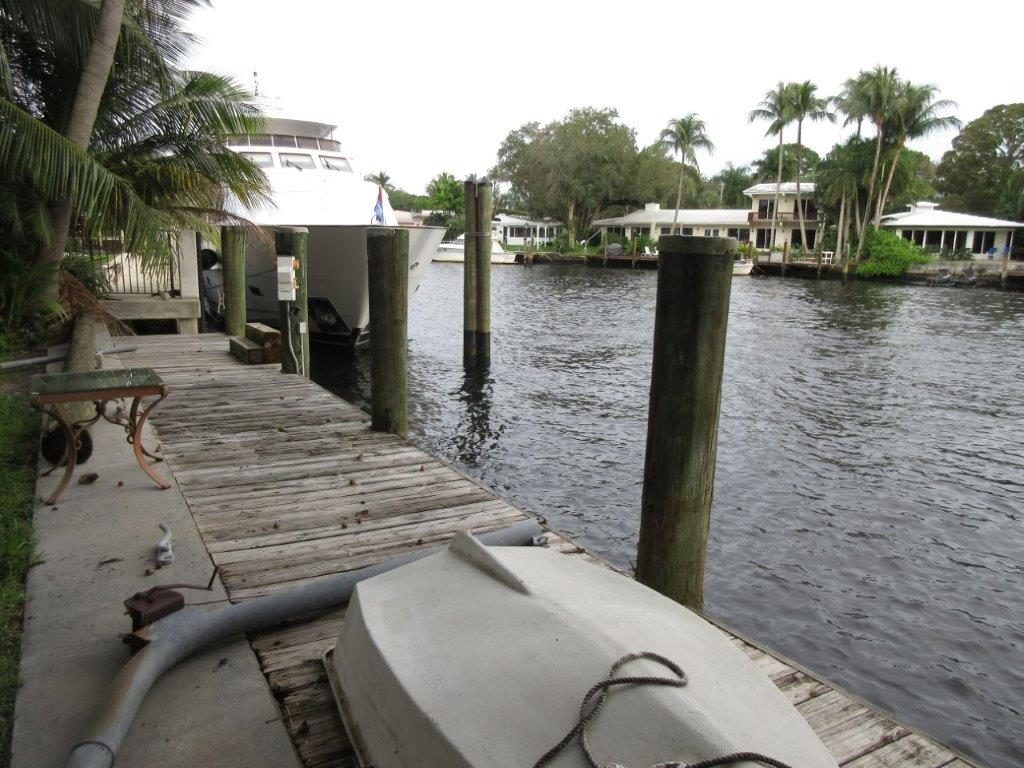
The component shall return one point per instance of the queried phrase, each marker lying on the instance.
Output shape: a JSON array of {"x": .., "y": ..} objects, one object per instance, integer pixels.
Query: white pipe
[{"x": 178, "y": 636}]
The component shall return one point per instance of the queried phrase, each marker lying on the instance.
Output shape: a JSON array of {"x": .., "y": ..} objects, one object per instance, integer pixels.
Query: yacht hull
[{"x": 338, "y": 287}]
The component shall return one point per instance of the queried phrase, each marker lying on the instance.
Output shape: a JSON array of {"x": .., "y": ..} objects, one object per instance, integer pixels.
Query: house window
[
  {"x": 744, "y": 235},
  {"x": 687, "y": 230},
  {"x": 919, "y": 237},
  {"x": 765, "y": 208},
  {"x": 666, "y": 230},
  {"x": 907, "y": 234},
  {"x": 959, "y": 240},
  {"x": 983, "y": 241},
  {"x": 933, "y": 238},
  {"x": 764, "y": 238}
]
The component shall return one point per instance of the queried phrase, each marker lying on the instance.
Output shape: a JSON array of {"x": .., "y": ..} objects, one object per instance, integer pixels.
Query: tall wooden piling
[
  {"x": 469, "y": 287},
  {"x": 694, "y": 281},
  {"x": 785, "y": 258},
  {"x": 294, "y": 316},
  {"x": 387, "y": 258},
  {"x": 484, "y": 208},
  {"x": 232, "y": 249}
]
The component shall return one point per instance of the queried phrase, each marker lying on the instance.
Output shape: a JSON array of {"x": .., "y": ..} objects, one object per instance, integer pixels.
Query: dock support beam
[
  {"x": 484, "y": 208},
  {"x": 469, "y": 288},
  {"x": 387, "y": 259},
  {"x": 692, "y": 310},
  {"x": 294, "y": 316},
  {"x": 232, "y": 248}
]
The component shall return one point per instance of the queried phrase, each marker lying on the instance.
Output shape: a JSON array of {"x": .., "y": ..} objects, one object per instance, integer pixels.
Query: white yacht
[
  {"x": 313, "y": 185},
  {"x": 455, "y": 251}
]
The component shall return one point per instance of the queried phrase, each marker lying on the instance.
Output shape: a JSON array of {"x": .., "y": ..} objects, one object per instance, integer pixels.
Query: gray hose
[{"x": 192, "y": 629}]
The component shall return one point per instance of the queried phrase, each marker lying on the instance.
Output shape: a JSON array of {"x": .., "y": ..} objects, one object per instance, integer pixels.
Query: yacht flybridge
[{"x": 314, "y": 185}]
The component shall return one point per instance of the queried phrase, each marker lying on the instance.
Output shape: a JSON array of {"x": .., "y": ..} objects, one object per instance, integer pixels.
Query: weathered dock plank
[{"x": 287, "y": 484}]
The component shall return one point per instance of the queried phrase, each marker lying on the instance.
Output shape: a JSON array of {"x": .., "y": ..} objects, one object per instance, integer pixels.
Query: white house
[
  {"x": 514, "y": 230},
  {"x": 944, "y": 232},
  {"x": 786, "y": 224},
  {"x": 653, "y": 220},
  {"x": 754, "y": 224}
]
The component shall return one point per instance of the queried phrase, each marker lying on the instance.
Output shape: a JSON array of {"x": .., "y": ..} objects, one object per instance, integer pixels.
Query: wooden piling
[
  {"x": 232, "y": 248},
  {"x": 785, "y": 258},
  {"x": 694, "y": 281},
  {"x": 484, "y": 209},
  {"x": 294, "y": 316},
  {"x": 387, "y": 261},
  {"x": 469, "y": 288}
]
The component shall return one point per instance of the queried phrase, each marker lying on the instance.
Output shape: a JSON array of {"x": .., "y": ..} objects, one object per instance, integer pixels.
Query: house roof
[
  {"x": 927, "y": 215},
  {"x": 786, "y": 188},
  {"x": 509, "y": 220},
  {"x": 688, "y": 217}
]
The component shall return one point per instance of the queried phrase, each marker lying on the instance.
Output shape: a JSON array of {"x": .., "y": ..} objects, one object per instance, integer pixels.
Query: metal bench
[{"x": 50, "y": 393}]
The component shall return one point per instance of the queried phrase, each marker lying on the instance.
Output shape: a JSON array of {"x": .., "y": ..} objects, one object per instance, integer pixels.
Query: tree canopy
[
  {"x": 571, "y": 168},
  {"x": 984, "y": 171}
]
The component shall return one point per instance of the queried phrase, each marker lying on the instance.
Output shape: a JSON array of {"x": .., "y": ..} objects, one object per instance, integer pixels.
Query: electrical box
[{"x": 286, "y": 283}]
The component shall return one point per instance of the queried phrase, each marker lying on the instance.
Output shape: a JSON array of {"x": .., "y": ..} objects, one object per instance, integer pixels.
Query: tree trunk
[
  {"x": 888, "y": 185},
  {"x": 571, "y": 223},
  {"x": 679, "y": 196},
  {"x": 778, "y": 184},
  {"x": 799, "y": 203},
  {"x": 84, "y": 109},
  {"x": 839, "y": 229},
  {"x": 871, "y": 191}
]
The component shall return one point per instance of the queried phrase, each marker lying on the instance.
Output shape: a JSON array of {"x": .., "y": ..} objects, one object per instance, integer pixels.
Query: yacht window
[
  {"x": 238, "y": 141},
  {"x": 307, "y": 143},
  {"x": 330, "y": 145},
  {"x": 262, "y": 159},
  {"x": 284, "y": 141},
  {"x": 335, "y": 163},
  {"x": 295, "y": 160},
  {"x": 260, "y": 140}
]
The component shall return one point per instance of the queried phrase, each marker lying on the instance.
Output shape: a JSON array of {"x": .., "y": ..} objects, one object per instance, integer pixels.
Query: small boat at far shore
[
  {"x": 742, "y": 267},
  {"x": 479, "y": 657},
  {"x": 454, "y": 252}
]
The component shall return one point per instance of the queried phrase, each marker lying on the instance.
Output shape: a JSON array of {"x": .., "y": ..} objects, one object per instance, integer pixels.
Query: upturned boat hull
[{"x": 480, "y": 657}]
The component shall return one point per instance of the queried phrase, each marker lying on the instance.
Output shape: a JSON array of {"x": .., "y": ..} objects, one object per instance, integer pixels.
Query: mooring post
[
  {"x": 294, "y": 316},
  {"x": 469, "y": 288},
  {"x": 387, "y": 260},
  {"x": 484, "y": 208},
  {"x": 232, "y": 247},
  {"x": 1006, "y": 260},
  {"x": 692, "y": 309},
  {"x": 785, "y": 258}
]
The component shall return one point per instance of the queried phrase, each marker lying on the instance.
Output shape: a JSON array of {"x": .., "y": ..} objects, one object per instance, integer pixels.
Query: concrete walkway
[{"x": 97, "y": 548}]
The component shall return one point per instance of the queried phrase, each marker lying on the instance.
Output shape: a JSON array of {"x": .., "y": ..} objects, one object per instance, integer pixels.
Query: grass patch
[{"x": 19, "y": 432}]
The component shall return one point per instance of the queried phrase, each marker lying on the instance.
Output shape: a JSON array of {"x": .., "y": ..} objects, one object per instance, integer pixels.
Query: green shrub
[
  {"x": 91, "y": 273},
  {"x": 889, "y": 255},
  {"x": 23, "y": 286},
  {"x": 563, "y": 244}
]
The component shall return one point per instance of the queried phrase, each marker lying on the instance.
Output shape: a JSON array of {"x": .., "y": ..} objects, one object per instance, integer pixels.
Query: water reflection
[{"x": 474, "y": 438}]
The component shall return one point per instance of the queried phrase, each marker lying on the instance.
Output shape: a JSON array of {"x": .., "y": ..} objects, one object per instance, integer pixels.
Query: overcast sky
[{"x": 417, "y": 88}]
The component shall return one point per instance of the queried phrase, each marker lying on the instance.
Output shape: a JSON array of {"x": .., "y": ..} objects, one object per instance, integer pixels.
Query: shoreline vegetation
[{"x": 19, "y": 433}]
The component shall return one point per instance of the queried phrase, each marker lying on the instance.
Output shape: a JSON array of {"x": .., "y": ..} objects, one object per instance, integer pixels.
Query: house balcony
[{"x": 764, "y": 219}]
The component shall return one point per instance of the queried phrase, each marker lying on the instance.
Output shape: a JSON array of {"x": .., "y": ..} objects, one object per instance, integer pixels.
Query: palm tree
[
  {"x": 381, "y": 179},
  {"x": 733, "y": 181},
  {"x": 684, "y": 136},
  {"x": 873, "y": 95},
  {"x": 916, "y": 114},
  {"x": 147, "y": 157},
  {"x": 775, "y": 110},
  {"x": 804, "y": 105}
]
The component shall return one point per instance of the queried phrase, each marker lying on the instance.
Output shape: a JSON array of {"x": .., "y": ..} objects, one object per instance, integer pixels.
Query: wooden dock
[{"x": 287, "y": 483}]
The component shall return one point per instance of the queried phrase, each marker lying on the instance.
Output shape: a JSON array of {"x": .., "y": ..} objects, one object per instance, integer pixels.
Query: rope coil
[{"x": 595, "y": 698}]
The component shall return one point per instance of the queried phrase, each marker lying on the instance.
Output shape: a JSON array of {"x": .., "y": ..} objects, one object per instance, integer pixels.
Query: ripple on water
[{"x": 867, "y": 513}]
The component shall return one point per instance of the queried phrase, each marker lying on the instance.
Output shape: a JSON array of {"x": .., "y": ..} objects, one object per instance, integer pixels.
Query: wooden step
[
  {"x": 247, "y": 351},
  {"x": 263, "y": 335}
]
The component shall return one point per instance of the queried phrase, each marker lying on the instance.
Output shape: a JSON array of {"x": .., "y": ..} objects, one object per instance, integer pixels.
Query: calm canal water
[{"x": 867, "y": 518}]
